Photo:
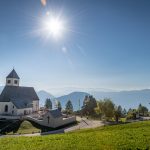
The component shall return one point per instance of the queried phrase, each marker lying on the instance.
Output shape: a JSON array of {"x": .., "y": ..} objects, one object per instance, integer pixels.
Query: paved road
[{"x": 85, "y": 123}]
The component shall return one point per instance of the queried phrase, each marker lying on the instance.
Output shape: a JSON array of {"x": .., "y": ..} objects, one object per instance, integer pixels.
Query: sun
[{"x": 54, "y": 26}]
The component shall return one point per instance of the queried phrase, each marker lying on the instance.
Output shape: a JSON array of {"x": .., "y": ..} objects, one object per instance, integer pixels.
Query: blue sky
[{"x": 108, "y": 47}]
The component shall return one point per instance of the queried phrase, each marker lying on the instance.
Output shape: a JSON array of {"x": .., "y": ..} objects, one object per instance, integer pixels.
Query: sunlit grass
[
  {"x": 27, "y": 128},
  {"x": 125, "y": 136}
]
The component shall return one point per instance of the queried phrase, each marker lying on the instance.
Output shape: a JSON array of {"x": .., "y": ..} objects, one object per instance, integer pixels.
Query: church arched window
[
  {"x": 15, "y": 82},
  {"x": 6, "y": 108},
  {"x": 8, "y": 81}
]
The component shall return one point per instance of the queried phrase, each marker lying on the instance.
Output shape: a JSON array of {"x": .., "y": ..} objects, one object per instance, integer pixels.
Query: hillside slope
[{"x": 127, "y": 136}]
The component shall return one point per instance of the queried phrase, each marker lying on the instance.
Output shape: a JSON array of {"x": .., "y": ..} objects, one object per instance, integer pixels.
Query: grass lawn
[
  {"x": 126, "y": 136},
  {"x": 27, "y": 128},
  {"x": 123, "y": 119}
]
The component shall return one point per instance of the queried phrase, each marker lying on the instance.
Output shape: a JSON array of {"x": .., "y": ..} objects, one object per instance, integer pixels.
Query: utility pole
[
  {"x": 80, "y": 109},
  {"x": 79, "y": 104}
]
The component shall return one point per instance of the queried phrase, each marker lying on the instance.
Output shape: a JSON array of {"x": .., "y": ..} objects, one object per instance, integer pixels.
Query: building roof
[
  {"x": 55, "y": 113},
  {"x": 13, "y": 74},
  {"x": 21, "y": 97}
]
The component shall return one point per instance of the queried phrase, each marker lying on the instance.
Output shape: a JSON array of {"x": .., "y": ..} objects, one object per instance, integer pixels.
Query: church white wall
[
  {"x": 12, "y": 110},
  {"x": 24, "y": 111},
  {"x": 35, "y": 105}
]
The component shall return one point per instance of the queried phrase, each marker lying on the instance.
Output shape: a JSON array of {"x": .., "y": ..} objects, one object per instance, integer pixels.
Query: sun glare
[{"x": 54, "y": 27}]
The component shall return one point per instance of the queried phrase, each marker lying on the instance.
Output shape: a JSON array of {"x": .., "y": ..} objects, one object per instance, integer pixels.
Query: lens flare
[{"x": 54, "y": 26}]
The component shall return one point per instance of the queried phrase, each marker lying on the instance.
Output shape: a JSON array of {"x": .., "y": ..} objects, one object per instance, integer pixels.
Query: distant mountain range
[
  {"x": 127, "y": 99},
  {"x": 75, "y": 97}
]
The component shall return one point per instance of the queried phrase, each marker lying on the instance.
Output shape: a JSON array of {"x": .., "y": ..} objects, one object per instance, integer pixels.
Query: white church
[{"x": 17, "y": 100}]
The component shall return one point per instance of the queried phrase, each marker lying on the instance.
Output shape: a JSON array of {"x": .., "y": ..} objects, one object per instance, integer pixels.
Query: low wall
[
  {"x": 54, "y": 124},
  {"x": 63, "y": 121},
  {"x": 10, "y": 117},
  {"x": 68, "y": 120}
]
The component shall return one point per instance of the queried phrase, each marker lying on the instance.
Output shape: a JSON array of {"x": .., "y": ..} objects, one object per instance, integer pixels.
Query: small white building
[
  {"x": 17, "y": 100},
  {"x": 53, "y": 119}
]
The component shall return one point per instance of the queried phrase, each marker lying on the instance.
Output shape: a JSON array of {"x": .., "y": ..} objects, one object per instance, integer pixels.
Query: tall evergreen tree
[
  {"x": 124, "y": 112},
  {"x": 89, "y": 105},
  {"x": 99, "y": 109},
  {"x": 108, "y": 108},
  {"x": 142, "y": 110},
  {"x": 59, "y": 106},
  {"x": 48, "y": 103},
  {"x": 69, "y": 107},
  {"x": 117, "y": 113}
]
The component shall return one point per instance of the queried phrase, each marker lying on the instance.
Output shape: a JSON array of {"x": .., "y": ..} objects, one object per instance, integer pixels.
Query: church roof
[
  {"x": 13, "y": 74},
  {"x": 21, "y": 97},
  {"x": 56, "y": 113}
]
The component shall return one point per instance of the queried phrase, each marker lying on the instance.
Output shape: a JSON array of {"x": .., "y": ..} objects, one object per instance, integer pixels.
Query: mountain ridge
[{"x": 126, "y": 98}]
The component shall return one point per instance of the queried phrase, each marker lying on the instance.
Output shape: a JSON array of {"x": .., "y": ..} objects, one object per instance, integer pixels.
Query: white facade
[
  {"x": 8, "y": 108},
  {"x": 35, "y": 105},
  {"x": 24, "y": 111}
]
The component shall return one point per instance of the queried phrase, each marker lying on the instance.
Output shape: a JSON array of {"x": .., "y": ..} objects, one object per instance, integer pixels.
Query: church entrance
[
  {"x": 6, "y": 108},
  {"x": 25, "y": 112}
]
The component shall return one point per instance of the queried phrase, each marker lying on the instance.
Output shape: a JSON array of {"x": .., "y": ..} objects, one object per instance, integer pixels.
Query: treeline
[
  {"x": 68, "y": 109},
  {"x": 100, "y": 109},
  {"x": 106, "y": 109}
]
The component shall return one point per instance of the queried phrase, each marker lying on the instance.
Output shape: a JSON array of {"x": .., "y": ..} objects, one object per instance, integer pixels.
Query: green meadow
[
  {"x": 126, "y": 136},
  {"x": 27, "y": 128}
]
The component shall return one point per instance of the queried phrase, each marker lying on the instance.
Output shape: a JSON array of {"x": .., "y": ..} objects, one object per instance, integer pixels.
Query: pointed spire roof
[{"x": 13, "y": 74}]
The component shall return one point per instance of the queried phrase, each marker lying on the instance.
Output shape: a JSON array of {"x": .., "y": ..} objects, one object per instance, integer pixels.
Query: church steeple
[{"x": 12, "y": 79}]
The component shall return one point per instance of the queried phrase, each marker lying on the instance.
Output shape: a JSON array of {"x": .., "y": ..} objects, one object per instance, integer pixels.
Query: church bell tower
[{"x": 12, "y": 79}]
